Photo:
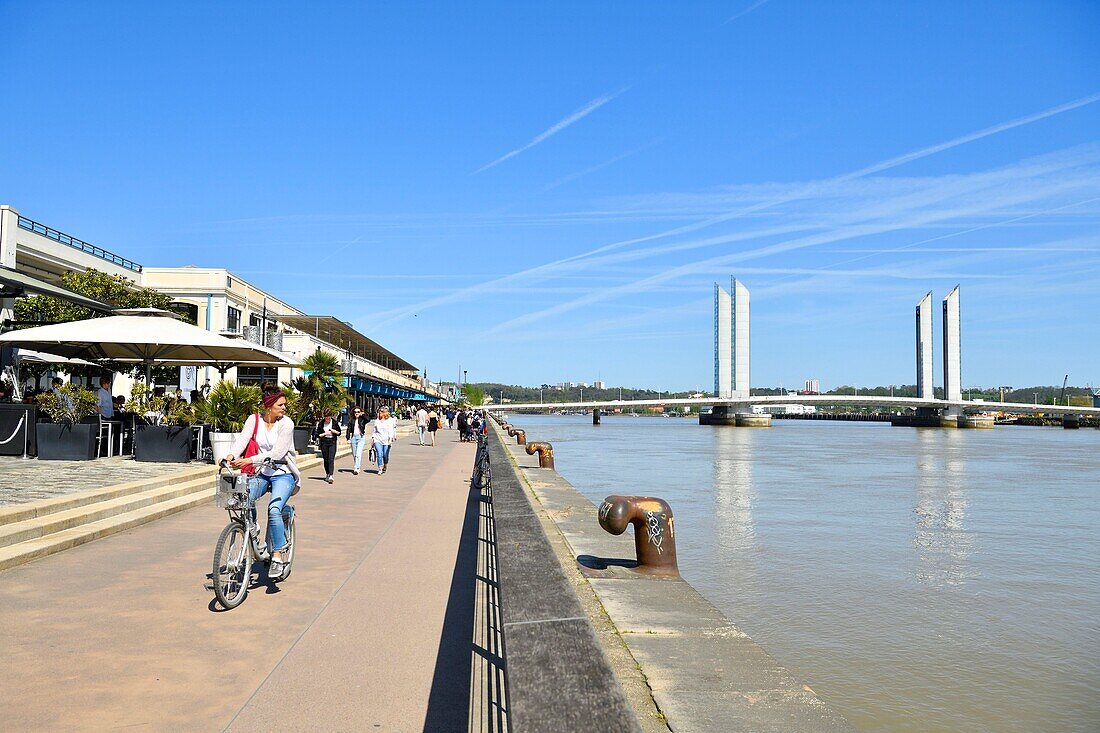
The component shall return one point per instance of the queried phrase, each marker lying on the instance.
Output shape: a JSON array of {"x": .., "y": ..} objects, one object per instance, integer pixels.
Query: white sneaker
[
  {"x": 329, "y": 479},
  {"x": 355, "y": 471}
]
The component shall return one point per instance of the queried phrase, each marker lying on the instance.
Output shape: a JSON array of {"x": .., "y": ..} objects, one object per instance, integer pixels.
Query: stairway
[{"x": 37, "y": 529}]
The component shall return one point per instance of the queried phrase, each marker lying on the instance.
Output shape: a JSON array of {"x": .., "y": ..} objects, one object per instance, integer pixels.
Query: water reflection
[
  {"x": 734, "y": 492},
  {"x": 942, "y": 542}
]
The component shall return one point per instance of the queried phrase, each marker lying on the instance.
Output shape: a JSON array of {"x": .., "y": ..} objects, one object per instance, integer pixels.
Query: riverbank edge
[{"x": 682, "y": 664}]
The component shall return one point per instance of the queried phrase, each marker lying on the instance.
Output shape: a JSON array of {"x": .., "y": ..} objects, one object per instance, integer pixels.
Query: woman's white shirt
[{"x": 385, "y": 431}]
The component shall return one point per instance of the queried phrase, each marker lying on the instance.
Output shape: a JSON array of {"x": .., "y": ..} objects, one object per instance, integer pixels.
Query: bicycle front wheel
[
  {"x": 232, "y": 566},
  {"x": 288, "y": 553}
]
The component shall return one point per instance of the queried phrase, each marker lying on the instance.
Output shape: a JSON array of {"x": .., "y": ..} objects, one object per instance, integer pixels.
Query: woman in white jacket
[
  {"x": 274, "y": 433},
  {"x": 384, "y": 435}
]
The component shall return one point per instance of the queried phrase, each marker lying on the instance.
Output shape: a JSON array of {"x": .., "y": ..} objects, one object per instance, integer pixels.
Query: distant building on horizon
[
  {"x": 813, "y": 386},
  {"x": 599, "y": 384}
]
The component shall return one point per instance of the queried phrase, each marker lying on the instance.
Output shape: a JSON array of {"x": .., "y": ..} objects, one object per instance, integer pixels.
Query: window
[
  {"x": 253, "y": 320},
  {"x": 228, "y": 281},
  {"x": 257, "y": 375},
  {"x": 233, "y": 320},
  {"x": 189, "y": 311}
]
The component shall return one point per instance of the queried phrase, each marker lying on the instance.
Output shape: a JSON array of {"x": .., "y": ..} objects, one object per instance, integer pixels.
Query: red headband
[{"x": 271, "y": 398}]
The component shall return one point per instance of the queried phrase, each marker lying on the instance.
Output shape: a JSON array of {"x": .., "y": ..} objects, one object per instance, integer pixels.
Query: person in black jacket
[
  {"x": 357, "y": 433},
  {"x": 327, "y": 431}
]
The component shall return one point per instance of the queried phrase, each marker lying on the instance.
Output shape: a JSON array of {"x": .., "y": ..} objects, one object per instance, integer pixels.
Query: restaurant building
[{"x": 34, "y": 256}]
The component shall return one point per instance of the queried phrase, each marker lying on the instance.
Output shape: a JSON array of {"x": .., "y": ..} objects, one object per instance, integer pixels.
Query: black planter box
[
  {"x": 301, "y": 439},
  {"x": 162, "y": 443},
  {"x": 62, "y": 442}
]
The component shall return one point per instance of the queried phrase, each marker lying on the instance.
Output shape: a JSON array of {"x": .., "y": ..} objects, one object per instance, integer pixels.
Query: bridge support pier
[
  {"x": 976, "y": 422},
  {"x": 595, "y": 416},
  {"x": 738, "y": 415}
]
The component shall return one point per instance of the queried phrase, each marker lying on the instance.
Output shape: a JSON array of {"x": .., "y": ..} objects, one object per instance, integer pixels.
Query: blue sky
[{"x": 541, "y": 193}]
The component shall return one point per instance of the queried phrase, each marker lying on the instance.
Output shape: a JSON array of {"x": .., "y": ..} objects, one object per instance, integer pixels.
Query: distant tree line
[{"x": 1043, "y": 395}]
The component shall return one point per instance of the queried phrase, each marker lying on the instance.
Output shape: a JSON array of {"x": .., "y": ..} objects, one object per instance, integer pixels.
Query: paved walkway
[
  {"x": 122, "y": 633},
  {"x": 23, "y": 480}
]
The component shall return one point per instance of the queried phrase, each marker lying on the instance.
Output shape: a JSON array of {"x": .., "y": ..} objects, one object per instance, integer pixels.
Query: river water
[{"x": 919, "y": 580}]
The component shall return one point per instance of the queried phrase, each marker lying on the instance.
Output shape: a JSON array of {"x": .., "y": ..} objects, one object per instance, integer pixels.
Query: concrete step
[
  {"x": 30, "y": 510},
  {"x": 39, "y": 526},
  {"x": 54, "y": 525},
  {"x": 56, "y": 542}
]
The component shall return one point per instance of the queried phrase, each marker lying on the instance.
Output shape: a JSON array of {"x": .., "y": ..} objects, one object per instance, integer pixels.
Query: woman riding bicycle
[{"x": 273, "y": 432}]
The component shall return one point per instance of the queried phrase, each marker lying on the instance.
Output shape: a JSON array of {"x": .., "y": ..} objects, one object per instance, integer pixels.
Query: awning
[
  {"x": 339, "y": 333},
  {"x": 22, "y": 284}
]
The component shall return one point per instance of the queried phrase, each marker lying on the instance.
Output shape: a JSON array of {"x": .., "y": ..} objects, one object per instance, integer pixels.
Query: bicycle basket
[{"x": 228, "y": 488}]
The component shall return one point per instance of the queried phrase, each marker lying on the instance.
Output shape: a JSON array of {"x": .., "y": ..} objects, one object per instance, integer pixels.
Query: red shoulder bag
[{"x": 252, "y": 448}]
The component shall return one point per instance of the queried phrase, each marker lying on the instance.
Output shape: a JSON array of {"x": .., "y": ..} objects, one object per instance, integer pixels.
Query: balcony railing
[{"x": 48, "y": 233}]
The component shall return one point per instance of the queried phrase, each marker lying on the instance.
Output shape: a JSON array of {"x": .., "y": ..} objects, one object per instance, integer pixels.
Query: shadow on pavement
[{"x": 449, "y": 702}]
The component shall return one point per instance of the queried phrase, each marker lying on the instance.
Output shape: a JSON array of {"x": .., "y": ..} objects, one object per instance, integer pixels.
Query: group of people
[
  {"x": 273, "y": 434},
  {"x": 381, "y": 436},
  {"x": 428, "y": 421}
]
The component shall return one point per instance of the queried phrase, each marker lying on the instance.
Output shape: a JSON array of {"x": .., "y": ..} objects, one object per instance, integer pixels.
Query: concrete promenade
[{"x": 123, "y": 633}]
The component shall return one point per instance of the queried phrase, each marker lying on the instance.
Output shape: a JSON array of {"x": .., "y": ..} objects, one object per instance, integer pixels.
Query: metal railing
[{"x": 48, "y": 233}]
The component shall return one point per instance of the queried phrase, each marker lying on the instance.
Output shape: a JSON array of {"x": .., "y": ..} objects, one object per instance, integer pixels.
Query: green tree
[
  {"x": 473, "y": 395},
  {"x": 114, "y": 290}
]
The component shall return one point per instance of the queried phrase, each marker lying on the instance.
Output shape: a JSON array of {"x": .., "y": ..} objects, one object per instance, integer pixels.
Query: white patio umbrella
[
  {"x": 147, "y": 336},
  {"x": 41, "y": 357}
]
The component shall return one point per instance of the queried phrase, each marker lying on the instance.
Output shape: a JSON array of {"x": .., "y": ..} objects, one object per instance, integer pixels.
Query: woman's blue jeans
[
  {"x": 280, "y": 486},
  {"x": 382, "y": 452},
  {"x": 357, "y": 443}
]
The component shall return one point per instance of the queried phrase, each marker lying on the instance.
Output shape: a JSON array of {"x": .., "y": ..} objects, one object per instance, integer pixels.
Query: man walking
[{"x": 422, "y": 423}]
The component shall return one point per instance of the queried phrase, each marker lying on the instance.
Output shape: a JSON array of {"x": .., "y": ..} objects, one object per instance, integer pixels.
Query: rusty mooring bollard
[
  {"x": 545, "y": 451},
  {"x": 521, "y": 436},
  {"x": 654, "y": 532}
]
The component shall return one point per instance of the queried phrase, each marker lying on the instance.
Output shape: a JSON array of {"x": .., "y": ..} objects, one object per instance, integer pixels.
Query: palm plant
[
  {"x": 320, "y": 386},
  {"x": 228, "y": 405}
]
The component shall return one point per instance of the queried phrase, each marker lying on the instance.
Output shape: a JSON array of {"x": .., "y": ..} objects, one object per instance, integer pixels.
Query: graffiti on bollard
[
  {"x": 545, "y": 451},
  {"x": 654, "y": 531}
]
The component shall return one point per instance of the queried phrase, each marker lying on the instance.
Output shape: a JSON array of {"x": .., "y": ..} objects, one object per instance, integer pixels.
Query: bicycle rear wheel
[{"x": 232, "y": 566}]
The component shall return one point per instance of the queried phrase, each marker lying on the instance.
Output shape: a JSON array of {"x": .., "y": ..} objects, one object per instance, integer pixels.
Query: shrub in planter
[
  {"x": 297, "y": 409},
  {"x": 166, "y": 435},
  {"x": 67, "y": 438},
  {"x": 225, "y": 409}
]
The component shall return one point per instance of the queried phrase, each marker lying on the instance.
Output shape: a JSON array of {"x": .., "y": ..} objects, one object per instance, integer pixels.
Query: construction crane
[{"x": 1064, "y": 390}]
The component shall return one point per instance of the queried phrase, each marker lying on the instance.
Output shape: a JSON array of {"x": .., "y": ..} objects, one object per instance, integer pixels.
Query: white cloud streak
[
  {"x": 746, "y": 11},
  {"x": 801, "y": 193},
  {"x": 554, "y": 129}
]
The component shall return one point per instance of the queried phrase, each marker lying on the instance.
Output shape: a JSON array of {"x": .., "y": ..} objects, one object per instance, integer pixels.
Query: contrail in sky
[
  {"x": 803, "y": 193},
  {"x": 746, "y": 11},
  {"x": 554, "y": 129}
]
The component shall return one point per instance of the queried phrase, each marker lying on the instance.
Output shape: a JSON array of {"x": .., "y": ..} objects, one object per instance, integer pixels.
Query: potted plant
[
  {"x": 165, "y": 436},
  {"x": 225, "y": 409},
  {"x": 297, "y": 410},
  {"x": 67, "y": 438}
]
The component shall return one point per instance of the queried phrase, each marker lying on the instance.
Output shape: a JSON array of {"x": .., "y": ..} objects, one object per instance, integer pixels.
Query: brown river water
[{"x": 919, "y": 580}]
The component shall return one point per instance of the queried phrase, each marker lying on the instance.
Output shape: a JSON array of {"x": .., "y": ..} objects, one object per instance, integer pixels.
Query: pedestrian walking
[
  {"x": 463, "y": 426},
  {"x": 384, "y": 435},
  {"x": 422, "y": 423},
  {"x": 433, "y": 424},
  {"x": 450, "y": 418},
  {"x": 357, "y": 434},
  {"x": 327, "y": 431}
]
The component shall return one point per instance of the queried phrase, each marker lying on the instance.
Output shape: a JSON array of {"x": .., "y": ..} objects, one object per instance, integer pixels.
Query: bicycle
[{"x": 239, "y": 543}]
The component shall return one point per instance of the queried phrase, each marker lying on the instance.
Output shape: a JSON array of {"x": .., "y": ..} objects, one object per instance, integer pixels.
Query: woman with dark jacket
[
  {"x": 327, "y": 431},
  {"x": 358, "y": 435}
]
